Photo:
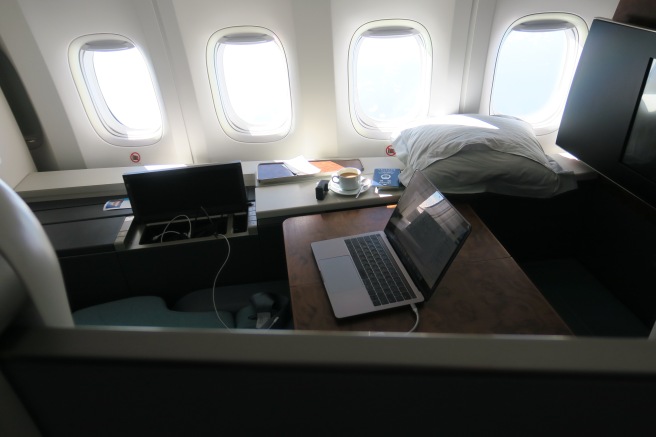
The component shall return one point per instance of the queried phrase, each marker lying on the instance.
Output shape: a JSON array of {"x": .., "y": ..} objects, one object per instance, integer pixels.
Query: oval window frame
[
  {"x": 367, "y": 126},
  {"x": 105, "y": 124},
  {"x": 545, "y": 21},
  {"x": 228, "y": 118}
]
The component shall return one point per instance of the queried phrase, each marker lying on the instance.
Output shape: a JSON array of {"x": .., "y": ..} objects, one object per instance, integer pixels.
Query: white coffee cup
[{"x": 348, "y": 178}]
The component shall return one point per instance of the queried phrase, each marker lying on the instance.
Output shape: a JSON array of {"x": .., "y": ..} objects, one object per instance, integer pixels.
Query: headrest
[{"x": 28, "y": 251}]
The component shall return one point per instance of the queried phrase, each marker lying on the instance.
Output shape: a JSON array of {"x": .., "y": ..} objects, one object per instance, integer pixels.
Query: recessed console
[
  {"x": 185, "y": 229},
  {"x": 188, "y": 203}
]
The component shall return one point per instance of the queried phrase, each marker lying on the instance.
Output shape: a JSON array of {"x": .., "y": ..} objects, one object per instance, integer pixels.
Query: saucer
[{"x": 335, "y": 188}]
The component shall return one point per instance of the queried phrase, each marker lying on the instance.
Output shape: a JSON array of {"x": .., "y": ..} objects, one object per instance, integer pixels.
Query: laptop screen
[
  {"x": 163, "y": 194},
  {"x": 426, "y": 232}
]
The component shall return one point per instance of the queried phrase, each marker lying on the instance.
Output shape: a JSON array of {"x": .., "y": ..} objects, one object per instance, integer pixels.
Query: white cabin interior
[{"x": 585, "y": 242}]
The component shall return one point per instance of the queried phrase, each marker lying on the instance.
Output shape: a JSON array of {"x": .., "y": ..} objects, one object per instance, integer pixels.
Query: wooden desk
[{"x": 484, "y": 291}]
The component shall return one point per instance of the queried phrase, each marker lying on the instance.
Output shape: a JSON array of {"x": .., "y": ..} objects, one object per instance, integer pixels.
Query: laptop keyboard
[{"x": 382, "y": 278}]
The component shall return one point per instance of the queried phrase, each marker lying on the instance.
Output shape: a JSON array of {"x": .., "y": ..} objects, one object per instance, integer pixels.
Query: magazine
[{"x": 386, "y": 178}]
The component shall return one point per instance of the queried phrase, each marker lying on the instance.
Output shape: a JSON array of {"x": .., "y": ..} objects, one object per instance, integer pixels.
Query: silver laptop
[{"x": 421, "y": 239}]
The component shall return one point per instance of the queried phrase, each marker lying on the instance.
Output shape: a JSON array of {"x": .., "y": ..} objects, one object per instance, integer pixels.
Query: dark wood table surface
[{"x": 484, "y": 290}]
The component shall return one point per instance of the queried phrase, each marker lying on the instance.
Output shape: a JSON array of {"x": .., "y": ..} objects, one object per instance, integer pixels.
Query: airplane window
[
  {"x": 390, "y": 65},
  {"x": 250, "y": 84},
  {"x": 535, "y": 67},
  {"x": 117, "y": 89}
]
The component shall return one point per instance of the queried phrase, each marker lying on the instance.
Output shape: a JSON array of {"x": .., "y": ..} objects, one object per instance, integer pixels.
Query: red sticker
[
  {"x": 390, "y": 150},
  {"x": 135, "y": 157}
]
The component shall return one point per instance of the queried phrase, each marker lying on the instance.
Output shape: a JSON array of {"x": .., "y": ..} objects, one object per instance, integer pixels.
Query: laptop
[{"x": 422, "y": 237}]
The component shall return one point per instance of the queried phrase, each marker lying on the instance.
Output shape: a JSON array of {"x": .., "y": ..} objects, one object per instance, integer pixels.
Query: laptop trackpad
[{"x": 341, "y": 278}]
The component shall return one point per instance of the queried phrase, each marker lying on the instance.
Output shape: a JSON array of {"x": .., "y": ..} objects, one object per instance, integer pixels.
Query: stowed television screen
[
  {"x": 193, "y": 191},
  {"x": 640, "y": 150},
  {"x": 609, "y": 120}
]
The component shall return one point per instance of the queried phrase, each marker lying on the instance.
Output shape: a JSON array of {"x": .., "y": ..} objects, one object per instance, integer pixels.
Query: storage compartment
[
  {"x": 190, "y": 203},
  {"x": 184, "y": 228}
]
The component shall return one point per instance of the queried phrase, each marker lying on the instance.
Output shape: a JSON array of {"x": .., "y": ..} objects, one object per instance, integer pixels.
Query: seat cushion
[
  {"x": 237, "y": 299},
  {"x": 149, "y": 311},
  {"x": 246, "y": 318},
  {"x": 229, "y": 297}
]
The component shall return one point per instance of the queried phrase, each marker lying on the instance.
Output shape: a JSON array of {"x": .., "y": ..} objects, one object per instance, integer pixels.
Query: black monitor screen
[
  {"x": 610, "y": 116},
  {"x": 640, "y": 150},
  {"x": 194, "y": 190},
  {"x": 427, "y": 232}
]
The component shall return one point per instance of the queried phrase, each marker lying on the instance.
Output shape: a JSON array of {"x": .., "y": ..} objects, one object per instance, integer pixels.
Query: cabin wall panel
[
  {"x": 15, "y": 160},
  {"x": 457, "y": 59},
  {"x": 189, "y": 101},
  {"x": 317, "y": 118},
  {"x": 53, "y": 26},
  {"x": 174, "y": 146},
  {"x": 480, "y": 26},
  {"x": 303, "y": 28},
  {"x": 23, "y": 49}
]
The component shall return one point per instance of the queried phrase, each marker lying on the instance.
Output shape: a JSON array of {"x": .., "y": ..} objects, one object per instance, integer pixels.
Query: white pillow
[{"x": 476, "y": 153}]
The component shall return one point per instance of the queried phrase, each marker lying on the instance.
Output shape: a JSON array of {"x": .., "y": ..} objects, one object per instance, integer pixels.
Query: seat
[
  {"x": 244, "y": 306},
  {"x": 27, "y": 249},
  {"x": 152, "y": 311}
]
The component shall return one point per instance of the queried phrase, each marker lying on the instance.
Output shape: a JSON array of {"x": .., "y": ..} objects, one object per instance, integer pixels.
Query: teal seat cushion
[
  {"x": 152, "y": 311},
  {"x": 246, "y": 318}
]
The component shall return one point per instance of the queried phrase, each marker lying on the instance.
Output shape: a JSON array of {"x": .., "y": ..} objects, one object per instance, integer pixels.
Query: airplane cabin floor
[
  {"x": 589, "y": 251},
  {"x": 588, "y": 308}
]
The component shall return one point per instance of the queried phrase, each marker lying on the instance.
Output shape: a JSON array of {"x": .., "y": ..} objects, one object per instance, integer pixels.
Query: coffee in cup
[{"x": 348, "y": 178}]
